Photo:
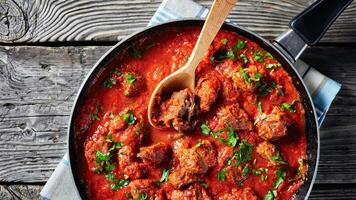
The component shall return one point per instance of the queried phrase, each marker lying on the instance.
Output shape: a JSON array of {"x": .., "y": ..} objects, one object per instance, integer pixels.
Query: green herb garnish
[
  {"x": 272, "y": 66},
  {"x": 287, "y": 106},
  {"x": 136, "y": 53},
  {"x": 245, "y": 170},
  {"x": 259, "y": 107},
  {"x": 232, "y": 137},
  {"x": 205, "y": 129},
  {"x": 164, "y": 177},
  {"x": 244, "y": 58},
  {"x": 281, "y": 174},
  {"x": 130, "y": 78},
  {"x": 239, "y": 44},
  {"x": 224, "y": 41},
  {"x": 129, "y": 117},
  {"x": 222, "y": 174},
  {"x": 244, "y": 75},
  {"x": 271, "y": 195}
]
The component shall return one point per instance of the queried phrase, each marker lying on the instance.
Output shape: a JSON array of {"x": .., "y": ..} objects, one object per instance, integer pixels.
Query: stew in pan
[{"x": 239, "y": 135}]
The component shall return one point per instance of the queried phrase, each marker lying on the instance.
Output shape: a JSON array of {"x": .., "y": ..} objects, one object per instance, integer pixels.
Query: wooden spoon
[{"x": 185, "y": 76}]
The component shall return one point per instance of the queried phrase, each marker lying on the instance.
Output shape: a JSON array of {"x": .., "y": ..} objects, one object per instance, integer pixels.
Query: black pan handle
[
  {"x": 313, "y": 22},
  {"x": 308, "y": 27}
]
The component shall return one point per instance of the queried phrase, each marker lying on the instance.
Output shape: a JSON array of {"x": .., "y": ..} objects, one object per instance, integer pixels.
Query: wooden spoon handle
[{"x": 217, "y": 15}]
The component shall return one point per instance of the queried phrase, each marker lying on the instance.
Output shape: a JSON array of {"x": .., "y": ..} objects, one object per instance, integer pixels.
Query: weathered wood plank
[
  {"x": 91, "y": 20},
  {"x": 19, "y": 192},
  {"x": 39, "y": 84}
]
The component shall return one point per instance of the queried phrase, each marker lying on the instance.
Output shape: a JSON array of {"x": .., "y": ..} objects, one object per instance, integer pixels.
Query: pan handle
[{"x": 308, "y": 27}]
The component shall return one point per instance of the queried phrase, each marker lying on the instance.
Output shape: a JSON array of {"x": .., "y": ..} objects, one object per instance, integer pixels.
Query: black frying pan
[{"x": 307, "y": 28}]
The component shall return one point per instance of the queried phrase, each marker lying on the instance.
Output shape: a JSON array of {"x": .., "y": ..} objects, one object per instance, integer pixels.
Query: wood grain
[
  {"x": 39, "y": 84},
  {"x": 93, "y": 20},
  {"x": 17, "y": 192}
]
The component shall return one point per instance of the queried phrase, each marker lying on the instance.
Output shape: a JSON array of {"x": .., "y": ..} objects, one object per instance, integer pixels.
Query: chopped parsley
[
  {"x": 271, "y": 195},
  {"x": 258, "y": 56},
  {"x": 95, "y": 115},
  {"x": 205, "y": 129},
  {"x": 129, "y": 117},
  {"x": 272, "y": 66},
  {"x": 164, "y": 177},
  {"x": 230, "y": 54},
  {"x": 259, "y": 107},
  {"x": 233, "y": 137},
  {"x": 260, "y": 118},
  {"x": 244, "y": 58},
  {"x": 246, "y": 170},
  {"x": 136, "y": 53},
  {"x": 240, "y": 44},
  {"x": 277, "y": 158},
  {"x": 243, "y": 154},
  {"x": 222, "y": 174},
  {"x": 281, "y": 174},
  {"x": 301, "y": 168},
  {"x": 244, "y": 75},
  {"x": 142, "y": 196},
  {"x": 118, "y": 183},
  {"x": 289, "y": 107},
  {"x": 224, "y": 41},
  {"x": 101, "y": 157},
  {"x": 111, "y": 116},
  {"x": 130, "y": 78},
  {"x": 261, "y": 172},
  {"x": 109, "y": 82}
]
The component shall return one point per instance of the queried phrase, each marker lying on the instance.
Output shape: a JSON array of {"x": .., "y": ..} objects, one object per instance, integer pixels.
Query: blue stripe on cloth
[
  {"x": 324, "y": 96},
  {"x": 201, "y": 11},
  {"x": 43, "y": 197},
  {"x": 65, "y": 162},
  {"x": 159, "y": 19},
  {"x": 169, "y": 14}
]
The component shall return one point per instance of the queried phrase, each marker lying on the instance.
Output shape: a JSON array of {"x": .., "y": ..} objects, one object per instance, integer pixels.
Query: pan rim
[{"x": 186, "y": 23}]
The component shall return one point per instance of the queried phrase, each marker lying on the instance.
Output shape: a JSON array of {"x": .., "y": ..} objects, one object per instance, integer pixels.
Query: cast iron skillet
[{"x": 307, "y": 28}]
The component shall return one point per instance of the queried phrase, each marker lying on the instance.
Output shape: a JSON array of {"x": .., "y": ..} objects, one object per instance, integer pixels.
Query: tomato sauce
[{"x": 100, "y": 142}]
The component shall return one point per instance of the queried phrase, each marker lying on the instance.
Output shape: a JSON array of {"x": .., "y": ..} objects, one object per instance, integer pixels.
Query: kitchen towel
[{"x": 323, "y": 90}]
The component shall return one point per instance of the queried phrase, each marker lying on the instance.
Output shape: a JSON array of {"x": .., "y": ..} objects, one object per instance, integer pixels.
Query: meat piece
[
  {"x": 232, "y": 72},
  {"x": 193, "y": 192},
  {"x": 178, "y": 111},
  {"x": 225, "y": 153},
  {"x": 132, "y": 135},
  {"x": 233, "y": 115},
  {"x": 145, "y": 187},
  {"x": 91, "y": 147},
  {"x": 207, "y": 152},
  {"x": 207, "y": 91},
  {"x": 155, "y": 153},
  {"x": 126, "y": 156},
  {"x": 273, "y": 126},
  {"x": 132, "y": 83},
  {"x": 182, "y": 178},
  {"x": 136, "y": 170},
  {"x": 229, "y": 93},
  {"x": 117, "y": 124},
  {"x": 268, "y": 151},
  {"x": 239, "y": 194}
]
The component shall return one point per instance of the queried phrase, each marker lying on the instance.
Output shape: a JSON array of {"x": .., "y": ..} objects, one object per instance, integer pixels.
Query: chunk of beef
[
  {"x": 194, "y": 162},
  {"x": 268, "y": 151},
  {"x": 225, "y": 153},
  {"x": 155, "y": 153},
  {"x": 145, "y": 187},
  {"x": 197, "y": 159},
  {"x": 117, "y": 124},
  {"x": 233, "y": 115},
  {"x": 207, "y": 152},
  {"x": 178, "y": 111},
  {"x": 193, "y": 192},
  {"x": 91, "y": 147},
  {"x": 207, "y": 91},
  {"x": 126, "y": 156},
  {"x": 273, "y": 126},
  {"x": 182, "y": 178},
  {"x": 136, "y": 170},
  {"x": 239, "y": 194},
  {"x": 133, "y": 83}
]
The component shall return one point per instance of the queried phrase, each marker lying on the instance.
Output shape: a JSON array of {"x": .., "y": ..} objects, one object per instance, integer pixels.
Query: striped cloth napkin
[{"x": 323, "y": 90}]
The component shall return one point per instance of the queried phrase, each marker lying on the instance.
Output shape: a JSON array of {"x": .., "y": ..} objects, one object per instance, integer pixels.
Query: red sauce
[{"x": 159, "y": 55}]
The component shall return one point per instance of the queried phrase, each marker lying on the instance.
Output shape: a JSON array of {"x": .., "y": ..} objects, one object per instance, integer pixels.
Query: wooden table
[{"x": 48, "y": 47}]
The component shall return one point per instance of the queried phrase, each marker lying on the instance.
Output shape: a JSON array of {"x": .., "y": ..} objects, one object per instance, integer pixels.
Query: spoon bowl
[{"x": 185, "y": 76}]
